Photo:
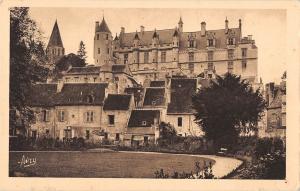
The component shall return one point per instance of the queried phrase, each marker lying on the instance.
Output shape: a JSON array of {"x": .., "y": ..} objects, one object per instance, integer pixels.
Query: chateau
[{"x": 138, "y": 80}]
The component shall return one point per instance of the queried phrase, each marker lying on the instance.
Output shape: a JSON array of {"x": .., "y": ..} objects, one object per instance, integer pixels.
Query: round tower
[{"x": 102, "y": 44}]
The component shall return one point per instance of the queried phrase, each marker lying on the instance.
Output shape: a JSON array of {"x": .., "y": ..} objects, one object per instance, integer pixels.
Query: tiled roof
[
  {"x": 182, "y": 90},
  {"x": 55, "y": 38},
  {"x": 157, "y": 83},
  {"x": 103, "y": 27},
  {"x": 42, "y": 95},
  {"x": 80, "y": 93},
  {"x": 137, "y": 118},
  {"x": 117, "y": 102},
  {"x": 154, "y": 97},
  {"x": 84, "y": 70}
]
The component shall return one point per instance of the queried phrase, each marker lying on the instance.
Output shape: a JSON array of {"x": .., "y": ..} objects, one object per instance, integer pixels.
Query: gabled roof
[
  {"x": 81, "y": 94},
  {"x": 158, "y": 83},
  {"x": 55, "y": 38},
  {"x": 182, "y": 90},
  {"x": 42, "y": 95},
  {"x": 117, "y": 102},
  {"x": 103, "y": 27},
  {"x": 84, "y": 70},
  {"x": 137, "y": 118},
  {"x": 154, "y": 97}
]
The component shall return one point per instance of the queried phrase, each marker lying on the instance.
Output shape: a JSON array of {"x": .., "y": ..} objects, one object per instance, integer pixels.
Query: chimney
[
  {"x": 60, "y": 85},
  {"x": 226, "y": 26},
  {"x": 97, "y": 26},
  {"x": 122, "y": 30},
  {"x": 240, "y": 24},
  {"x": 142, "y": 29},
  {"x": 203, "y": 28}
]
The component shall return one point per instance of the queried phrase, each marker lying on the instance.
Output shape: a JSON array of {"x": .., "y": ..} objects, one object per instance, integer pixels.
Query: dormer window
[
  {"x": 144, "y": 123},
  {"x": 210, "y": 42},
  {"x": 90, "y": 99},
  {"x": 192, "y": 44},
  {"x": 231, "y": 41}
]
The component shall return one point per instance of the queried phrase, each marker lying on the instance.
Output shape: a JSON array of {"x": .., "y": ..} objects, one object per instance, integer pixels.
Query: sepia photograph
[{"x": 148, "y": 93}]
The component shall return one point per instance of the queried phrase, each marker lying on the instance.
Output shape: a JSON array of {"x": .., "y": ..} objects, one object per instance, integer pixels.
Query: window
[
  {"x": 61, "y": 116},
  {"x": 144, "y": 123},
  {"x": 34, "y": 134},
  {"x": 105, "y": 135},
  {"x": 97, "y": 36},
  {"x": 210, "y": 55},
  {"x": 191, "y": 67},
  {"x": 67, "y": 79},
  {"x": 45, "y": 115},
  {"x": 230, "y": 54},
  {"x": 230, "y": 41},
  {"x": 192, "y": 44},
  {"x": 244, "y": 64},
  {"x": 146, "y": 57},
  {"x": 179, "y": 121},
  {"x": 244, "y": 52},
  {"x": 210, "y": 66},
  {"x": 230, "y": 66},
  {"x": 58, "y": 52},
  {"x": 125, "y": 58},
  {"x": 47, "y": 131},
  {"x": 98, "y": 50},
  {"x": 106, "y": 36},
  {"x": 117, "y": 136},
  {"x": 163, "y": 56},
  {"x": 111, "y": 119},
  {"x": 87, "y": 134},
  {"x": 210, "y": 42},
  {"x": 68, "y": 133},
  {"x": 107, "y": 51},
  {"x": 89, "y": 99},
  {"x": 76, "y": 79},
  {"x": 89, "y": 116},
  {"x": 95, "y": 79},
  {"x": 191, "y": 56}
]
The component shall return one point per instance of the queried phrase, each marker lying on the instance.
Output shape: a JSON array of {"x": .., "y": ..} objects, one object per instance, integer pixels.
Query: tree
[
  {"x": 81, "y": 53},
  {"x": 167, "y": 134},
  {"x": 226, "y": 108},
  {"x": 27, "y": 59}
]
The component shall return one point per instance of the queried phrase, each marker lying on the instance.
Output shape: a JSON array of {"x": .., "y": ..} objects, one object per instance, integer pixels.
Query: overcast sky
[{"x": 268, "y": 28}]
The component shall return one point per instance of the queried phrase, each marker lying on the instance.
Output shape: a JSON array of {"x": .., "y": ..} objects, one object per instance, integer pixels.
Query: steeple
[
  {"x": 116, "y": 37},
  {"x": 136, "y": 36},
  {"x": 55, "y": 48},
  {"x": 155, "y": 35},
  {"x": 55, "y": 38}
]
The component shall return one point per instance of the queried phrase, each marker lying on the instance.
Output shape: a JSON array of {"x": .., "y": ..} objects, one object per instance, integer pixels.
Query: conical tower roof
[
  {"x": 103, "y": 27},
  {"x": 55, "y": 38}
]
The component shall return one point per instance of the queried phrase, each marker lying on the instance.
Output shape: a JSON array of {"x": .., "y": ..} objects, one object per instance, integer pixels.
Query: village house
[{"x": 115, "y": 115}]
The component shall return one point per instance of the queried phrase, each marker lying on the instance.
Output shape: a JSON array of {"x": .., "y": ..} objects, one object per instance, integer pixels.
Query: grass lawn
[{"x": 101, "y": 165}]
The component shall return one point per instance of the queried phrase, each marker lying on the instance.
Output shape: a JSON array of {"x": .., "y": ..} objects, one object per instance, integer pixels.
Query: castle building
[
  {"x": 55, "y": 49},
  {"x": 157, "y": 54}
]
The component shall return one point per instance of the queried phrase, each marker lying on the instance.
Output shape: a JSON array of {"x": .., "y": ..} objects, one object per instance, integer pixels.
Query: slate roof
[
  {"x": 201, "y": 41},
  {"x": 138, "y": 116},
  {"x": 182, "y": 90},
  {"x": 117, "y": 102},
  {"x": 42, "y": 95},
  {"x": 116, "y": 68},
  {"x": 166, "y": 37},
  {"x": 103, "y": 27},
  {"x": 157, "y": 83},
  {"x": 84, "y": 70},
  {"x": 78, "y": 94},
  {"x": 154, "y": 97},
  {"x": 55, "y": 38}
]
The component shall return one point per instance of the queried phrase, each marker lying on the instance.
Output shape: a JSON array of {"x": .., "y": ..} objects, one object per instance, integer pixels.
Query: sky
[{"x": 267, "y": 27}]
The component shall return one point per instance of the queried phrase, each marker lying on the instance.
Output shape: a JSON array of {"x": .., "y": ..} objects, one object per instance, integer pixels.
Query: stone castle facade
[{"x": 138, "y": 80}]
